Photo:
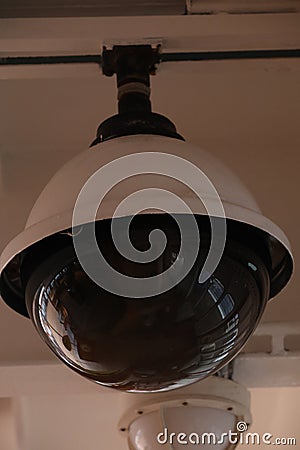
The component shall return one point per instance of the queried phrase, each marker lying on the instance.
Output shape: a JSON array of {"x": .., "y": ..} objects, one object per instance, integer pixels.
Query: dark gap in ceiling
[{"x": 90, "y": 8}]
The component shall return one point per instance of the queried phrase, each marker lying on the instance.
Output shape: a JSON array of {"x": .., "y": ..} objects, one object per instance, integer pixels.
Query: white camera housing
[{"x": 53, "y": 210}]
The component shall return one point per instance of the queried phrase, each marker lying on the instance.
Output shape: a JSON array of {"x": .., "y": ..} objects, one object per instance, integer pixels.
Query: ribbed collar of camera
[{"x": 132, "y": 123}]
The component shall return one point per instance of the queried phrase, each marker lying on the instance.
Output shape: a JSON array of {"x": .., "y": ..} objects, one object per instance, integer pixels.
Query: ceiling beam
[{"x": 189, "y": 37}]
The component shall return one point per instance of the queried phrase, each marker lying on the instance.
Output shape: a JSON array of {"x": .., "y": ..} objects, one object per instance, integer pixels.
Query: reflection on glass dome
[{"x": 156, "y": 343}]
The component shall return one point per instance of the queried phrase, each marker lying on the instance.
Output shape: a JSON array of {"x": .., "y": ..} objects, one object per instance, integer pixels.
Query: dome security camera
[
  {"x": 158, "y": 319},
  {"x": 214, "y": 412}
]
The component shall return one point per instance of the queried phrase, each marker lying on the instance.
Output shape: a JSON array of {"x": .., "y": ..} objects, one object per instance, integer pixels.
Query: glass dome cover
[{"x": 156, "y": 343}]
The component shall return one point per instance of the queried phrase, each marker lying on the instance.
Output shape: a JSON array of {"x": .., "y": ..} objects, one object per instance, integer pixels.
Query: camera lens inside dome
[{"x": 152, "y": 343}]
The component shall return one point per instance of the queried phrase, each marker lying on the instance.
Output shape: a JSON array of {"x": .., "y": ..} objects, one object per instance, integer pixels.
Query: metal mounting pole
[{"x": 133, "y": 65}]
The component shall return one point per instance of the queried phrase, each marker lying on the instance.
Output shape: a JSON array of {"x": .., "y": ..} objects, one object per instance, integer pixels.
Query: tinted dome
[{"x": 155, "y": 343}]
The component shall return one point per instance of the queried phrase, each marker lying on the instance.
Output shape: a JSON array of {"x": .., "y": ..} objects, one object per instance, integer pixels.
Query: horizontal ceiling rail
[{"x": 165, "y": 57}]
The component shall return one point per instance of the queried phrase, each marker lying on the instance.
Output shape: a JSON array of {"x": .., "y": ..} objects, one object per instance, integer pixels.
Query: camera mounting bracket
[{"x": 133, "y": 65}]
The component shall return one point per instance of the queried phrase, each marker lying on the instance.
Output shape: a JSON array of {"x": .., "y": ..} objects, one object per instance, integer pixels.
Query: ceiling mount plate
[{"x": 139, "y": 58}]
